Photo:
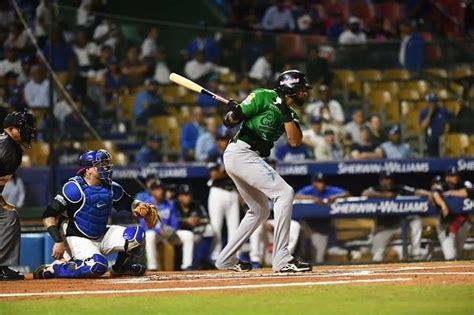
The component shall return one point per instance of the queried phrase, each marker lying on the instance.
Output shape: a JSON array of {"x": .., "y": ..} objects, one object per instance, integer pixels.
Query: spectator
[
  {"x": 261, "y": 70},
  {"x": 7, "y": 14},
  {"x": 43, "y": 16},
  {"x": 150, "y": 152},
  {"x": 106, "y": 33},
  {"x": 62, "y": 52},
  {"x": 133, "y": 68},
  {"x": 353, "y": 127},
  {"x": 377, "y": 135},
  {"x": 378, "y": 33},
  {"x": 36, "y": 90},
  {"x": 84, "y": 51},
  {"x": 452, "y": 229},
  {"x": 287, "y": 153},
  {"x": 206, "y": 142},
  {"x": 325, "y": 100},
  {"x": 354, "y": 34},
  {"x": 388, "y": 226},
  {"x": 149, "y": 48},
  {"x": 88, "y": 14},
  {"x": 307, "y": 20},
  {"x": 162, "y": 71},
  {"x": 335, "y": 26},
  {"x": 167, "y": 230},
  {"x": 203, "y": 43},
  {"x": 75, "y": 127},
  {"x": 10, "y": 63},
  {"x": 462, "y": 118},
  {"x": 318, "y": 69},
  {"x": 13, "y": 92},
  {"x": 14, "y": 192},
  {"x": 24, "y": 75},
  {"x": 394, "y": 148},
  {"x": 313, "y": 137},
  {"x": 254, "y": 47},
  {"x": 114, "y": 81},
  {"x": 148, "y": 103},
  {"x": 194, "y": 217},
  {"x": 365, "y": 150},
  {"x": 197, "y": 68},
  {"x": 329, "y": 150},
  {"x": 412, "y": 47},
  {"x": 18, "y": 37},
  {"x": 145, "y": 194},
  {"x": 278, "y": 18},
  {"x": 320, "y": 193},
  {"x": 190, "y": 132},
  {"x": 434, "y": 121}
]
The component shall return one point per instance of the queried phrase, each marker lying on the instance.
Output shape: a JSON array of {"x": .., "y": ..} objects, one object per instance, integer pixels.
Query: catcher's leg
[
  {"x": 129, "y": 243},
  {"x": 88, "y": 262}
]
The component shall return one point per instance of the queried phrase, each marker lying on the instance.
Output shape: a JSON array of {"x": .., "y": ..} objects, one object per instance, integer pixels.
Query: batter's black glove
[{"x": 234, "y": 116}]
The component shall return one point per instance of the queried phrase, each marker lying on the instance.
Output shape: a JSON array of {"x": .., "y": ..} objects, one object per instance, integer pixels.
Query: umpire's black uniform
[{"x": 11, "y": 154}]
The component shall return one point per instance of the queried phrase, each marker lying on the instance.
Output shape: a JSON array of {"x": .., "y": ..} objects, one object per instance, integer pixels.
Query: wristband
[{"x": 53, "y": 230}]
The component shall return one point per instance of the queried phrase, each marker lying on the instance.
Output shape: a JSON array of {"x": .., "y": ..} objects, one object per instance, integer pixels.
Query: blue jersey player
[{"x": 81, "y": 210}]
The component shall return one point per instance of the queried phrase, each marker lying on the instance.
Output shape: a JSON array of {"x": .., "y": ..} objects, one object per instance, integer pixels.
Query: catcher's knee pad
[
  {"x": 92, "y": 267},
  {"x": 134, "y": 239}
]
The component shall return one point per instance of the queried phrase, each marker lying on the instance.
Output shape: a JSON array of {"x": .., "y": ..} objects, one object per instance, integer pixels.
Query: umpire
[{"x": 18, "y": 132}]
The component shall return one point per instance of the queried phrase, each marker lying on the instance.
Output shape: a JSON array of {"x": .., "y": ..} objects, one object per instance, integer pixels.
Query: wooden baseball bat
[{"x": 193, "y": 86}]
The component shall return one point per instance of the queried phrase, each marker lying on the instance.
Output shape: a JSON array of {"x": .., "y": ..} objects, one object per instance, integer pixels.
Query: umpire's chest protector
[{"x": 94, "y": 209}]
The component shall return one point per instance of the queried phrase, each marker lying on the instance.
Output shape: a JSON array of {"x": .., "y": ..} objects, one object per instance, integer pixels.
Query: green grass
[{"x": 337, "y": 300}]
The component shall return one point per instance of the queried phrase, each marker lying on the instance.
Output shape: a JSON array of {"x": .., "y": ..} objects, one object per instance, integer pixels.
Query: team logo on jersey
[{"x": 289, "y": 81}]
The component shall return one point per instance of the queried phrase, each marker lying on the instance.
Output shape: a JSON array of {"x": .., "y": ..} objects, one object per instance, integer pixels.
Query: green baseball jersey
[{"x": 264, "y": 121}]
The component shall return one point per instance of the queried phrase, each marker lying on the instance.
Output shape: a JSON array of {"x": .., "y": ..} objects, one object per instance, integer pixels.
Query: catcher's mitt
[{"x": 148, "y": 212}]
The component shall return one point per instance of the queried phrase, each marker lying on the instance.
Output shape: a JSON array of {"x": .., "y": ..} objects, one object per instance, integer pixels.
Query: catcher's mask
[
  {"x": 101, "y": 160},
  {"x": 291, "y": 83},
  {"x": 24, "y": 121}
]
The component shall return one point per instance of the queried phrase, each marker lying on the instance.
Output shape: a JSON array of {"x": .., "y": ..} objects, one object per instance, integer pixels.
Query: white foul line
[{"x": 213, "y": 288}]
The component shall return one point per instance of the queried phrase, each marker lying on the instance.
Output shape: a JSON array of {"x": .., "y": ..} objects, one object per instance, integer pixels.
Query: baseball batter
[
  {"x": 87, "y": 200},
  {"x": 265, "y": 116}
]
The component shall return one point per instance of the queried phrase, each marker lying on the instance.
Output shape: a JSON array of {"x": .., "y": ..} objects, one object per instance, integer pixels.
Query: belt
[{"x": 241, "y": 142}]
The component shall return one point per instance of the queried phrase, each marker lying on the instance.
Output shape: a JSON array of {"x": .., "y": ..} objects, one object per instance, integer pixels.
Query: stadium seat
[
  {"x": 451, "y": 106},
  {"x": 392, "y": 114},
  {"x": 460, "y": 72},
  {"x": 291, "y": 46},
  {"x": 344, "y": 78},
  {"x": 314, "y": 40},
  {"x": 409, "y": 95},
  {"x": 412, "y": 123},
  {"x": 168, "y": 128},
  {"x": 378, "y": 100},
  {"x": 439, "y": 72},
  {"x": 26, "y": 160},
  {"x": 454, "y": 144},
  {"x": 100, "y": 144},
  {"x": 39, "y": 153},
  {"x": 433, "y": 53},
  {"x": 391, "y": 86},
  {"x": 127, "y": 106},
  {"x": 369, "y": 75},
  {"x": 353, "y": 229},
  {"x": 188, "y": 98},
  {"x": 396, "y": 74},
  {"x": 120, "y": 159},
  {"x": 227, "y": 78},
  {"x": 442, "y": 94},
  {"x": 390, "y": 10},
  {"x": 421, "y": 85}
]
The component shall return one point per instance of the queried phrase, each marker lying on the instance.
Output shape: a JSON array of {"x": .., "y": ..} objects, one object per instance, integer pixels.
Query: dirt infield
[{"x": 182, "y": 282}]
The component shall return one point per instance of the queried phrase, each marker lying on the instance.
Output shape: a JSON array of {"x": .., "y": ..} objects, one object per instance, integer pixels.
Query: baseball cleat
[
  {"x": 241, "y": 266},
  {"x": 43, "y": 272},
  {"x": 7, "y": 274},
  {"x": 134, "y": 269},
  {"x": 295, "y": 265}
]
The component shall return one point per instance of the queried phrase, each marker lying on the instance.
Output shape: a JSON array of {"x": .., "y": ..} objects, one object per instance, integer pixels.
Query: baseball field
[{"x": 424, "y": 288}]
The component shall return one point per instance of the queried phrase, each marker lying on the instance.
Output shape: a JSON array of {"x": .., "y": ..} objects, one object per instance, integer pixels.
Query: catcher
[{"x": 77, "y": 219}]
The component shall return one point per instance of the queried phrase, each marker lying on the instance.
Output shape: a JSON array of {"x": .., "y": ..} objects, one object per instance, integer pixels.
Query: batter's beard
[{"x": 298, "y": 100}]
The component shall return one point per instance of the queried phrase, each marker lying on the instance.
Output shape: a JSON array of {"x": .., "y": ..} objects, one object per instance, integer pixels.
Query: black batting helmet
[
  {"x": 291, "y": 81},
  {"x": 25, "y": 122}
]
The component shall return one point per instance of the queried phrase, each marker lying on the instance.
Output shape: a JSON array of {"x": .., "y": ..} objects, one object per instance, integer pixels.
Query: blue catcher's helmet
[{"x": 101, "y": 160}]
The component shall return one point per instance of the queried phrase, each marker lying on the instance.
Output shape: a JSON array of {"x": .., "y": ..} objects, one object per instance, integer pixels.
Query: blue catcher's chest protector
[{"x": 93, "y": 213}]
